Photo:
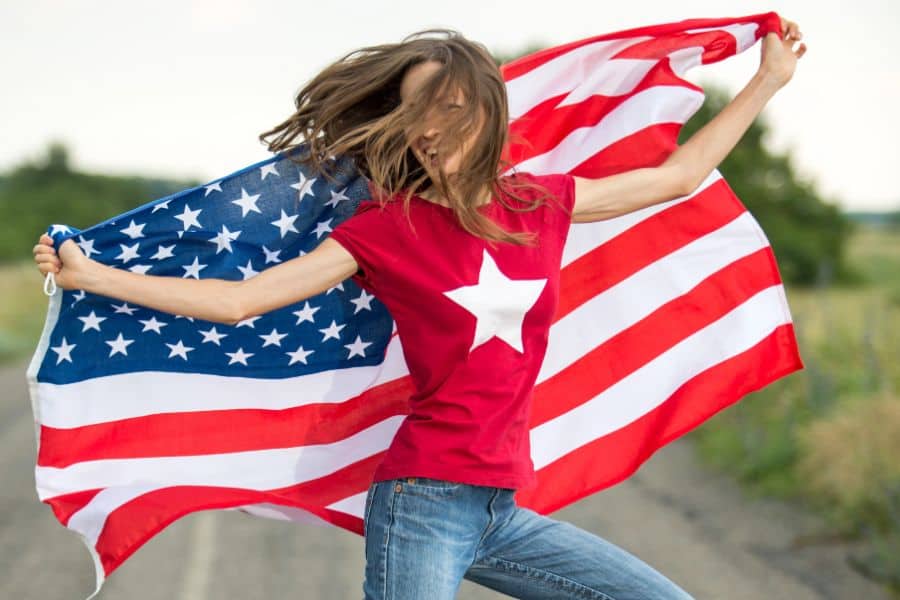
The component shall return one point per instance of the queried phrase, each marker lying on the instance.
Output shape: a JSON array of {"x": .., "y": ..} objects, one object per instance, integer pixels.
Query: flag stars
[
  {"x": 128, "y": 252},
  {"x": 87, "y": 246},
  {"x": 268, "y": 169},
  {"x": 363, "y": 302},
  {"x": 119, "y": 346},
  {"x": 142, "y": 269},
  {"x": 78, "y": 296},
  {"x": 64, "y": 351},
  {"x": 212, "y": 336},
  {"x": 212, "y": 187},
  {"x": 332, "y": 331},
  {"x": 178, "y": 349},
  {"x": 271, "y": 255},
  {"x": 285, "y": 223},
  {"x": 160, "y": 206},
  {"x": 247, "y": 203},
  {"x": 336, "y": 198},
  {"x": 239, "y": 356},
  {"x": 248, "y": 322},
  {"x": 248, "y": 271},
  {"x": 273, "y": 338},
  {"x": 304, "y": 186},
  {"x": 189, "y": 217},
  {"x": 124, "y": 309},
  {"x": 92, "y": 321},
  {"x": 358, "y": 347},
  {"x": 193, "y": 269},
  {"x": 306, "y": 313},
  {"x": 133, "y": 230},
  {"x": 323, "y": 227},
  {"x": 339, "y": 286},
  {"x": 299, "y": 355},
  {"x": 59, "y": 229},
  {"x": 152, "y": 324},
  {"x": 164, "y": 252},
  {"x": 224, "y": 238}
]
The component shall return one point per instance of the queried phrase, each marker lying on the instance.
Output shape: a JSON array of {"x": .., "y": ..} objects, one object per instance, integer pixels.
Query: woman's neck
[{"x": 432, "y": 196}]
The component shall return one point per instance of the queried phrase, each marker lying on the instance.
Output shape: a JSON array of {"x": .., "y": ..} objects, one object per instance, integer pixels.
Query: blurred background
[{"x": 109, "y": 105}]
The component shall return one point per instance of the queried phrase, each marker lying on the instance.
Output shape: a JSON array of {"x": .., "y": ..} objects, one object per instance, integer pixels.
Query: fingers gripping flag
[{"x": 666, "y": 316}]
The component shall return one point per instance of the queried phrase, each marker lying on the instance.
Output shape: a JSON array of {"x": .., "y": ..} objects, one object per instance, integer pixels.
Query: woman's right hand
[{"x": 68, "y": 268}]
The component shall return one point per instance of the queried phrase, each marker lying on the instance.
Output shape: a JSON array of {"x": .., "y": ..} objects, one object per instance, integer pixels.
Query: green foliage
[{"x": 35, "y": 195}]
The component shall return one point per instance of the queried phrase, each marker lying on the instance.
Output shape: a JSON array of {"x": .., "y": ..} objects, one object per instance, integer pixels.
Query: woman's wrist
[{"x": 768, "y": 80}]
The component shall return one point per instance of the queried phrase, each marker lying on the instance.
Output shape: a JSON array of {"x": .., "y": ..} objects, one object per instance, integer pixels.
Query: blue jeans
[{"x": 424, "y": 535}]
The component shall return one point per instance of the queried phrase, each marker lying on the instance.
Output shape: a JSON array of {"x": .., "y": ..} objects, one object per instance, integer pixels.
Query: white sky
[{"x": 182, "y": 88}]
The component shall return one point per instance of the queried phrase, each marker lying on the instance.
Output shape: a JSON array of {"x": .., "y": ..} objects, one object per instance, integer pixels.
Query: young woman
[{"x": 426, "y": 122}]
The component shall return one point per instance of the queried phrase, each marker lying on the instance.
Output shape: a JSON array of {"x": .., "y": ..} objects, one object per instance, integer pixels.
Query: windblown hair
[{"x": 353, "y": 108}]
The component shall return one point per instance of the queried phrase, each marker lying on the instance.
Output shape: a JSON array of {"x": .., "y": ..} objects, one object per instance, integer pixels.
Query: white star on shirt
[
  {"x": 224, "y": 238},
  {"x": 271, "y": 255},
  {"x": 133, "y": 230},
  {"x": 212, "y": 336},
  {"x": 285, "y": 223},
  {"x": 63, "y": 351},
  {"x": 119, "y": 345},
  {"x": 498, "y": 303},
  {"x": 239, "y": 356},
  {"x": 178, "y": 349},
  {"x": 363, "y": 302},
  {"x": 306, "y": 313},
  {"x": 92, "y": 321},
  {"x": 247, "y": 202},
  {"x": 273, "y": 338},
  {"x": 299, "y": 355},
  {"x": 189, "y": 217},
  {"x": 304, "y": 186},
  {"x": 152, "y": 324},
  {"x": 267, "y": 170},
  {"x": 358, "y": 347},
  {"x": 332, "y": 331}
]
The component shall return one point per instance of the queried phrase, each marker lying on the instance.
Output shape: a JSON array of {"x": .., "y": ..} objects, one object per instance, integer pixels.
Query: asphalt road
[{"x": 694, "y": 526}]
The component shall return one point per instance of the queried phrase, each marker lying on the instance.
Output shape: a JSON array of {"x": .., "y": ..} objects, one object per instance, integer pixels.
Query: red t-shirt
[{"x": 473, "y": 323}]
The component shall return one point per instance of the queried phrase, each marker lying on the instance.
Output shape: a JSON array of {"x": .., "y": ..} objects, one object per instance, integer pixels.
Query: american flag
[{"x": 667, "y": 315}]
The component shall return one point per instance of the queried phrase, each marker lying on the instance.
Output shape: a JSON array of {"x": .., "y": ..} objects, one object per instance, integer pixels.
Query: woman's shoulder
[{"x": 527, "y": 185}]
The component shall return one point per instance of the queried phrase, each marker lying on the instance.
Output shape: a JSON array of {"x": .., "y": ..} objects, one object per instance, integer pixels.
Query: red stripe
[
  {"x": 65, "y": 505},
  {"x": 613, "y": 457},
  {"x": 644, "y": 243},
  {"x": 222, "y": 431},
  {"x": 635, "y": 346}
]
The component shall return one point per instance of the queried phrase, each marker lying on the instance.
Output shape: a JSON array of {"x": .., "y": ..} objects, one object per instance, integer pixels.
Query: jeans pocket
[{"x": 427, "y": 486}]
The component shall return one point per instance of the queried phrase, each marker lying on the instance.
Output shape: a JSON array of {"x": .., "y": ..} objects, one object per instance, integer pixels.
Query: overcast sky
[{"x": 183, "y": 87}]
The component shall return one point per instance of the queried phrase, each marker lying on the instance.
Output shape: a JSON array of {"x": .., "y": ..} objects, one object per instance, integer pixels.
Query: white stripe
[
  {"x": 352, "y": 505},
  {"x": 652, "y": 106},
  {"x": 563, "y": 74},
  {"x": 649, "y": 386},
  {"x": 255, "y": 470},
  {"x": 122, "y": 396},
  {"x": 635, "y": 297}
]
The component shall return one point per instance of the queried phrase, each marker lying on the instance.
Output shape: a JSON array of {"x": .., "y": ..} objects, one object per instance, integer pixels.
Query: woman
[{"x": 426, "y": 122}]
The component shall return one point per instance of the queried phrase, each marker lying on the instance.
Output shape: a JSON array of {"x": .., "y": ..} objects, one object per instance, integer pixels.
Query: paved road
[{"x": 693, "y": 526}]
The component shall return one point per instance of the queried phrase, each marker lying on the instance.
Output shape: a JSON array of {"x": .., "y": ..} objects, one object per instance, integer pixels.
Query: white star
[
  {"x": 63, "y": 351},
  {"x": 498, "y": 303},
  {"x": 193, "y": 269},
  {"x": 239, "y": 356},
  {"x": 299, "y": 355},
  {"x": 213, "y": 336},
  {"x": 160, "y": 206},
  {"x": 336, "y": 197},
  {"x": 332, "y": 331},
  {"x": 119, "y": 345},
  {"x": 152, "y": 324},
  {"x": 134, "y": 231},
  {"x": 306, "y": 313},
  {"x": 304, "y": 186},
  {"x": 247, "y": 202},
  {"x": 164, "y": 252},
  {"x": 223, "y": 239},
  {"x": 248, "y": 270},
  {"x": 142, "y": 269},
  {"x": 286, "y": 223},
  {"x": 124, "y": 308},
  {"x": 358, "y": 347},
  {"x": 79, "y": 295},
  {"x": 248, "y": 322},
  {"x": 267, "y": 169},
  {"x": 339, "y": 286},
  {"x": 87, "y": 246},
  {"x": 273, "y": 338},
  {"x": 363, "y": 302},
  {"x": 128, "y": 252},
  {"x": 91, "y": 321},
  {"x": 64, "y": 229},
  {"x": 323, "y": 227},
  {"x": 178, "y": 349},
  {"x": 212, "y": 187},
  {"x": 189, "y": 217},
  {"x": 191, "y": 319},
  {"x": 271, "y": 255}
]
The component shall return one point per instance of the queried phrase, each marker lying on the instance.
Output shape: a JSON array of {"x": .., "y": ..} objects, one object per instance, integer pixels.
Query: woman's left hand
[{"x": 779, "y": 59}]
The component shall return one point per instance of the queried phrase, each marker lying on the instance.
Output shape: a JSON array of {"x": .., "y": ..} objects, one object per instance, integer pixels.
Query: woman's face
[{"x": 425, "y": 146}]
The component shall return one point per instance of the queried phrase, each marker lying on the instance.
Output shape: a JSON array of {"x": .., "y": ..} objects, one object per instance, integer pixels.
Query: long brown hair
[{"x": 353, "y": 108}]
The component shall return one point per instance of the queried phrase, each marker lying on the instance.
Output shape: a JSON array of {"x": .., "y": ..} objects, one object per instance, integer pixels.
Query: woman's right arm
[{"x": 212, "y": 299}]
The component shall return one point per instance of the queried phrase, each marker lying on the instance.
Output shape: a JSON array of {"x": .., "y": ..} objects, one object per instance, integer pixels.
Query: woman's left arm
[{"x": 691, "y": 163}]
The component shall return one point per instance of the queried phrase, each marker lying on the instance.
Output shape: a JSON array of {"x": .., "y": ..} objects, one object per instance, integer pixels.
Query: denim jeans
[{"x": 424, "y": 535}]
